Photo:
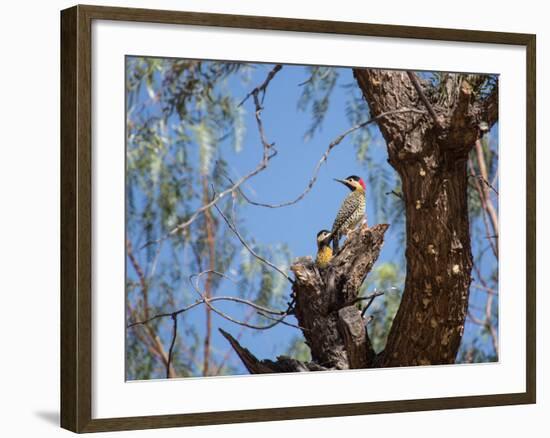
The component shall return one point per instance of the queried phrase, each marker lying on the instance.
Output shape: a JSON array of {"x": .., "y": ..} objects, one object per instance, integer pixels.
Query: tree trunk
[
  {"x": 429, "y": 152},
  {"x": 429, "y": 324}
]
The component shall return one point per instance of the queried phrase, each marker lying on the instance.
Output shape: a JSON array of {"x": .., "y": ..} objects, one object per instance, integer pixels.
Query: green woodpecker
[
  {"x": 352, "y": 210},
  {"x": 324, "y": 251}
]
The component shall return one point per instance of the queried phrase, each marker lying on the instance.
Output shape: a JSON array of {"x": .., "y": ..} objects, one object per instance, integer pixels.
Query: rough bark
[
  {"x": 325, "y": 307},
  {"x": 321, "y": 298},
  {"x": 429, "y": 152}
]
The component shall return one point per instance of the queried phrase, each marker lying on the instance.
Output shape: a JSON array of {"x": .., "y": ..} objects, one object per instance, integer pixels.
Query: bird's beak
[{"x": 343, "y": 181}]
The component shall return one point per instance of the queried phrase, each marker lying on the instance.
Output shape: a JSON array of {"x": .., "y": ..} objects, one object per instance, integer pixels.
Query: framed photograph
[{"x": 268, "y": 218}]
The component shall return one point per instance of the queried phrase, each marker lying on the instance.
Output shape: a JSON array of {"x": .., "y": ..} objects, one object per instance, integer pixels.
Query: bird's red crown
[{"x": 359, "y": 180}]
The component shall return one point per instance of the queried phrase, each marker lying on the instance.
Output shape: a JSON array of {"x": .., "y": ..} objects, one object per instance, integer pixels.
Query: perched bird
[
  {"x": 352, "y": 210},
  {"x": 324, "y": 251}
]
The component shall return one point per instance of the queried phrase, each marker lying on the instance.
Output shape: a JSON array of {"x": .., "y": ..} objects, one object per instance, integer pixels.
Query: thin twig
[
  {"x": 282, "y": 321},
  {"x": 233, "y": 228},
  {"x": 203, "y": 301},
  {"x": 310, "y": 79},
  {"x": 171, "y": 350},
  {"x": 488, "y": 321},
  {"x": 164, "y": 315},
  {"x": 425, "y": 101},
  {"x": 485, "y": 289},
  {"x": 484, "y": 181},
  {"x": 368, "y": 320},
  {"x": 152, "y": 341},
  {"x": 258, "y": 169},
  {"x": 225, "y": 315},
  {"x": 476, "y": 320},
  {"x": 394, "y": 193},
  {"x": 262, "y": 88},
  {"x": 260, "y": 309},
  {"x": 324, "y": 158},
  {"x": 369, "y": 297},
  {"x": 240, "y": 300},
  {"x": 491, "y": 212},
  {"x": 142, "y": 278},
  {"x": 485, "y": 209}
]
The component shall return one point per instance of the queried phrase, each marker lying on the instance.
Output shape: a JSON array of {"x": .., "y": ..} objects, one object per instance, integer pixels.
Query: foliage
[
  {"x": 298, "y": 349},
  {"x": 181, "y": 118},
  {"x": 316, "y": 96},
  {"x": 387, "y": 278}
]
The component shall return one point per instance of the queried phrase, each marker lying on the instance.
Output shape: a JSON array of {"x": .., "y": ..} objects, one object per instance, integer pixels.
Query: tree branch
[
  {"x": 152, "y": 341},
  {"x": 489, "y": 208},
  {"x": 203, "y": 301},
  {"x": 369, "y": 298},
  {"x": 485, "y": 288},
  {"x": 423, "y": 98},
  {"x": 141, "y": 276},
  {"x": 233, "y": 228},
  {"x": 226, "y": 316},
  {"x": 283, "y": 364},
  {"x": 488, "y": 211},
  {"x": 490, "y": 107},
  {"x": 262, "y": 88},
  {"x": 324, "y": 158},
  {"x": 210, "y": 229},
  {"x": 171, "y": 350}
]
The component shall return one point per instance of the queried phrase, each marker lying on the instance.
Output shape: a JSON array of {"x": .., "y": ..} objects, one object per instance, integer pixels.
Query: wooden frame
[{"x": 76, "y": 177}]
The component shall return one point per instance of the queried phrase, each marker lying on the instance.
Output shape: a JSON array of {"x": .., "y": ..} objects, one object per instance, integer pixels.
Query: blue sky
[{"x": 286, "y": 177}]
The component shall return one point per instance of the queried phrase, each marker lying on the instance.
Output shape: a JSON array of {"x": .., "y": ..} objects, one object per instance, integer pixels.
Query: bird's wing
[{"x": 340, "y": 218}]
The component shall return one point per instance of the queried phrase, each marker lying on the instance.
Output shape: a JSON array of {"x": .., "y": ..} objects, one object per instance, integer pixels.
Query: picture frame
[{"x": 77, "y": 168}]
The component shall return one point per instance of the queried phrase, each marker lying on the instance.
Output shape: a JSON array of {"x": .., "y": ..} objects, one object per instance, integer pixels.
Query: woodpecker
[
  {"x": 324, "y": 251},
  {"x": 352, "y": 210}
]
